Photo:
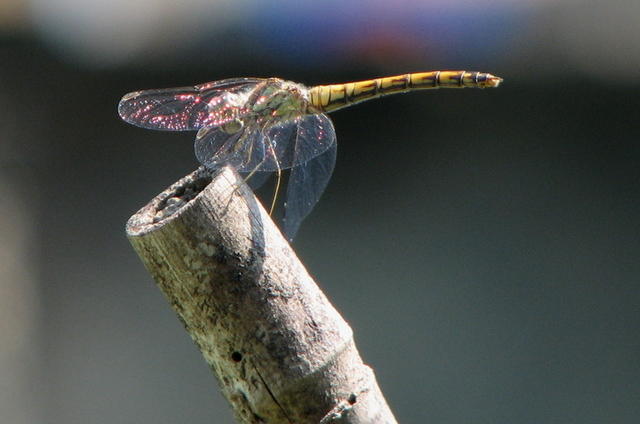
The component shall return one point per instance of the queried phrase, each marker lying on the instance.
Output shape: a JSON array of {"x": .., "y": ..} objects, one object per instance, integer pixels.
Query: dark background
[{"x": 483, "y": 245}]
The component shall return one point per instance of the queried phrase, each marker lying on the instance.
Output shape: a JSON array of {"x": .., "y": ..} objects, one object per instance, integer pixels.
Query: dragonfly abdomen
[{"x": 332, "y": 97}]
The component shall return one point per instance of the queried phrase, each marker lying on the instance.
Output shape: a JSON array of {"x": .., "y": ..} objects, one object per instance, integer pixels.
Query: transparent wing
[
  {"x": 299, "y": 140},
  {"x": 243, "y": 149},
  {"x": 265, "y": 146},
  {"x": 187, "y": 108},
  {"x": 306, "y": 183}
]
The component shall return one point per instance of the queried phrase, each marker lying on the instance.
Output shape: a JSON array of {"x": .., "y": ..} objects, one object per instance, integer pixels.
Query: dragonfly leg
[
  {"x": 279, "y": 175},
  {"x": 252, "y": 173},
  {"x": 278, "y": 181},
  {"x": 277, "y": 189}
]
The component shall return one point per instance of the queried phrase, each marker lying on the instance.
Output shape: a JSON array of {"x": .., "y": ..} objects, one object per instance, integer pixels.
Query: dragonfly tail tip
[{"x": 493, "y": 81}]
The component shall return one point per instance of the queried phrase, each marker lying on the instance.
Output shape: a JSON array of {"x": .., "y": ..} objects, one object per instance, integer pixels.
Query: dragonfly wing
[
  {"x": 265, "y": 147},
  {"x": 187, "y": 108},
  {"x": 315, "y": 136},
  {"x": 296, "y": 141},
  {"x": 306, "y": 183},
  {"x": 243, "y": 149}
]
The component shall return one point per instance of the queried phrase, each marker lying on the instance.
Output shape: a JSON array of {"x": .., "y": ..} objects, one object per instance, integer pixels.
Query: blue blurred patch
[{"x": 315, "y": 34}]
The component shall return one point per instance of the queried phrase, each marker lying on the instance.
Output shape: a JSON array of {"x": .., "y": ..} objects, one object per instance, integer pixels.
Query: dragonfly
[{"x": 262, "y": 126}]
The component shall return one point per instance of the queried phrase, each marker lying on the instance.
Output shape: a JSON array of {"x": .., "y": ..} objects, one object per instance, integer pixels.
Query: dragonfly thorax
[{"x": 279, "y": 100}]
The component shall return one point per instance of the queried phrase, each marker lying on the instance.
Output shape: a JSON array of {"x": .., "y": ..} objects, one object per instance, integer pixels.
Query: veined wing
[
  {"x": 188, "y": 108},
  {"x": 266, "y": 146},
  {"x": 306, "y": 183}
]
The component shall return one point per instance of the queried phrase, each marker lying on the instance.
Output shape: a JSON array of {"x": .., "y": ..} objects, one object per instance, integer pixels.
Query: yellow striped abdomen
[{"x": 331, "y": 97}]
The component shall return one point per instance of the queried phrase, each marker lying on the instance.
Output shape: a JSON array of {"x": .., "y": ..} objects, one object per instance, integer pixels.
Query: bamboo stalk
[{"x": 279, "y": 350}]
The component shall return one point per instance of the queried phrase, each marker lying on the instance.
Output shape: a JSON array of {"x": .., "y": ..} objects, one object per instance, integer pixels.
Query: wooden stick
[{"x": 279, "y": 350}]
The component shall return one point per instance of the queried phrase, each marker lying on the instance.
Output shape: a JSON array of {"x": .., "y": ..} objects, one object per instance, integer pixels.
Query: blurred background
[{"x": 484, "y": 245}]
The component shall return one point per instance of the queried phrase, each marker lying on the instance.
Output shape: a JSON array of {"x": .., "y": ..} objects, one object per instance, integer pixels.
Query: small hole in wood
[
  {"x": 352, "y": 398},
  {"x": 236, "y": 356}
]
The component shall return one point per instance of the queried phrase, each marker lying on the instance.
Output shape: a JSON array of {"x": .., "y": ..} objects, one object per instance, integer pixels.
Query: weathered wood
[{"x": 279, "y": 350}]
